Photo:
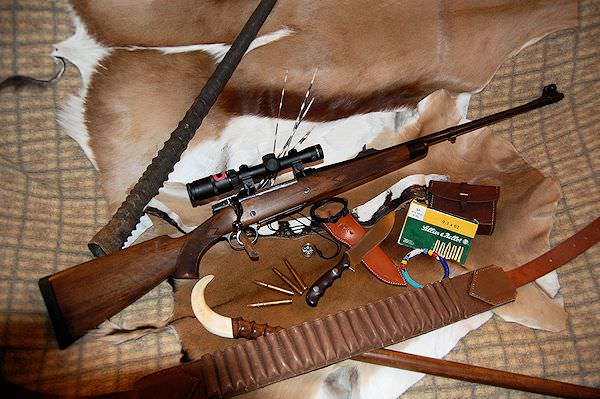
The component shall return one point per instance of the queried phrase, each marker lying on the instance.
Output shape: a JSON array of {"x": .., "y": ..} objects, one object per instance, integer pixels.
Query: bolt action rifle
[{"x": 83, "y": 296}]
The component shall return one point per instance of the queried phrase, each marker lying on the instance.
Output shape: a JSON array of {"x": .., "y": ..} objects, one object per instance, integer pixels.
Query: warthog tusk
[{"x": 211, "y": 320}]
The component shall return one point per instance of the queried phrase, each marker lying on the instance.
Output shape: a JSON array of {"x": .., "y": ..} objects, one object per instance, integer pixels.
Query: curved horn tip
[{"x": 211, "y": 320}]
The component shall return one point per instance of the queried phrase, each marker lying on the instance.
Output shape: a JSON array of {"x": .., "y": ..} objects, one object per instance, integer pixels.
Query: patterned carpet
[{"x": 51, "y": 206}]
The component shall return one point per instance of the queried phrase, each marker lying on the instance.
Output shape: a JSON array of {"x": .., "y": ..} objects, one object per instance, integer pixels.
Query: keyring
[
  {"x": 331, "y": 219},
  {"x": 416, "y": 252}
]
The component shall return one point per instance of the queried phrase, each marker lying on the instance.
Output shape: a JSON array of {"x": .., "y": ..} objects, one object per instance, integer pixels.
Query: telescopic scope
[{"x": 226, "y": 181}]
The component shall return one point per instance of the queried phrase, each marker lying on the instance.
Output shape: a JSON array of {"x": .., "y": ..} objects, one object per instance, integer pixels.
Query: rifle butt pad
[{"x": 61, "y": 331}]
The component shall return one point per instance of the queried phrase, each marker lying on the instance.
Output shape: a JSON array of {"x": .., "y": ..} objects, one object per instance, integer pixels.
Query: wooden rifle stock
[{"x": 81, "y": 297}]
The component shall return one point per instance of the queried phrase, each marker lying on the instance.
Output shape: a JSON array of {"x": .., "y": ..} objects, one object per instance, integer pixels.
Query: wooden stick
[{"x": 476, "y": 374}]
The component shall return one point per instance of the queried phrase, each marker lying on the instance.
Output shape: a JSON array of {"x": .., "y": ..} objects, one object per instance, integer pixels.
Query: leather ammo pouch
[{"x": 466, "y": 200}]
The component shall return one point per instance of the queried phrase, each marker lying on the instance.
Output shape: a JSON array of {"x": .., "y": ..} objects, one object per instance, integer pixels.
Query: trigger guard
[{"x": 234, "y": 238}]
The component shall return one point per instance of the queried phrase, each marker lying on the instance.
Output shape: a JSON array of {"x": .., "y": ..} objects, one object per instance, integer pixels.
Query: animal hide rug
[{"x": 138, "y": 82}]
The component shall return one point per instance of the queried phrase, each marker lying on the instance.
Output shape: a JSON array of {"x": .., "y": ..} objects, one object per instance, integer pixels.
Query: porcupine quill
[
  {"x": 301, "y": 114},
  {"x": 303, "y": 138},
  {"x": 279, "y": 111},
  {"x": 299, "y": 121}
]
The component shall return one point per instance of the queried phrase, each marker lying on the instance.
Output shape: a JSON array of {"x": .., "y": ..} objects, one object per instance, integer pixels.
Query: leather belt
[{"x": 312, "y": 345}]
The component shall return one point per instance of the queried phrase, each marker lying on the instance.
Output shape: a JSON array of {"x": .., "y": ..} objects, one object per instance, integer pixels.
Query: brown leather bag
[{"x": 469, "y": 201}]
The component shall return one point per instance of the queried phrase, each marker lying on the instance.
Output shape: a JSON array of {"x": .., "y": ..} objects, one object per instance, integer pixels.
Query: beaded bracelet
[{"x": 414, "y": 253}]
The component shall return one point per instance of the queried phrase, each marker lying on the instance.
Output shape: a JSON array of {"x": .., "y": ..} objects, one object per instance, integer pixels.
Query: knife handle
[{"x": 318, "y": 288}]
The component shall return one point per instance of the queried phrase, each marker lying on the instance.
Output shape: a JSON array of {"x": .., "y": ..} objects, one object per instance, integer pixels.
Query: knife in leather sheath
[{"x": 351, "y": 258}]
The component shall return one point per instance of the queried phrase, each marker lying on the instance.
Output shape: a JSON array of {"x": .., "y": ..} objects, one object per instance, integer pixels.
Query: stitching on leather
[
  {"x": 426, "y": 305},
  {"x": 310, "y": 331},
  {"x": 494, "y": 211},
  {"x": 263, "y": 371},
  {"x": 357, "y": 327},
  {"x": 230, "y": 364},
  {"x": 207, "y": 369},
  {"x": 382, "y": 278},
  {"x": 371, "y": 323},
  {"x": 437, "y": 302},
  {"x": 246, "y": 372},
  {"x": 391, "y": 320},
  {"x": 292, "y": 351},
  {"x": 278, "y": 353},
  {"x": 300, "y": 333},
  {"x": 456, "y": 299},
  {"x": 222, "y": 372},
  {"x": 381, "y": 308},
  {"x": 474, "y": 284},
  {"x": 353, "y": 333},
  {"x": 346, "y": 335},
  {"x": 239, "y": 375},
  {"x": 269, "y": 353},
  {"x": 411, "y": 304},
  {"x": 382, "y": 333},
  {"x": 329, "y": 340},
  {"x": 473, "y": 290},
  {"x": 446, "y": 301}
]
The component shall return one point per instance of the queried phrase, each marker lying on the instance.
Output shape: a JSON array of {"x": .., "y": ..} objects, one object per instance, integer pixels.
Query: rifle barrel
[{"x": 549, "y": 96}]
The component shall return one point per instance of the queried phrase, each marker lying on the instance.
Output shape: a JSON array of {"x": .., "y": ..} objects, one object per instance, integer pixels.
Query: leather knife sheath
[{"x": 348, "y": 231}]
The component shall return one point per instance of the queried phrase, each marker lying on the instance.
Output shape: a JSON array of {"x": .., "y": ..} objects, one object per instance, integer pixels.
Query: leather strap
[
  {"x": 349, "y": 231},
  {"x": 557, "y": 256},
  {"x": 250, "y": 365}
]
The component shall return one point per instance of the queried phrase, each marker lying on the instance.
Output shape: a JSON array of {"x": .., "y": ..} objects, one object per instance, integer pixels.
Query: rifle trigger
[{"x": 242, "y": 238}]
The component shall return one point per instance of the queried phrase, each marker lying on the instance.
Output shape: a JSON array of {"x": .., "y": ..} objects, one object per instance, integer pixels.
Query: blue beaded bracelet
[{"x": 416, "y": 252}]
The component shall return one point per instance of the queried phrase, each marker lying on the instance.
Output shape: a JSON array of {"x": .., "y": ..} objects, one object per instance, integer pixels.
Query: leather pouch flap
[
  {"x": 469, "y": 193},
  {"x": 492, "y": 285}
]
